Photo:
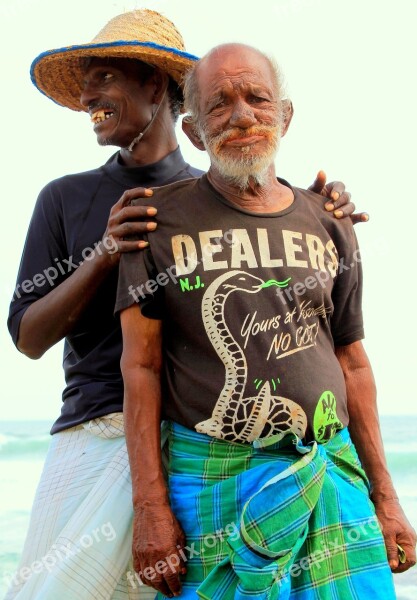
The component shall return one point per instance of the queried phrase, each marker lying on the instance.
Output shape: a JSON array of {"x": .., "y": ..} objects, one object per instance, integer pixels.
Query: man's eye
[
  {"x": 257, "y": 99},
  {"x": 218, "y": 104},
  {"x": 108, "y": 76}
]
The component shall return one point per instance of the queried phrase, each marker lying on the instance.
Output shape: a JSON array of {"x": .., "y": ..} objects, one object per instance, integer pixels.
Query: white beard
[{"x": 246, "y": 169}]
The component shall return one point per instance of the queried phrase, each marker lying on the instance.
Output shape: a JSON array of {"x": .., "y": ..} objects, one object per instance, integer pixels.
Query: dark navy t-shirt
[
  {"x": 252, "y": 306},
  {"x": 70, "y": 217}
]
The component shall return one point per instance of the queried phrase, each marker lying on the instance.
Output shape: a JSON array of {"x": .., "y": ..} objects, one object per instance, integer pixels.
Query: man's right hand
[
  {"x": 158, "y": 547},
  {"x": 126, "y": 221}
]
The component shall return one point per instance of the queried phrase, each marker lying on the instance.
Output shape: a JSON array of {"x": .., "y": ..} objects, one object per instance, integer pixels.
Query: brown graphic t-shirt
[{"x": 252, "y": 307}]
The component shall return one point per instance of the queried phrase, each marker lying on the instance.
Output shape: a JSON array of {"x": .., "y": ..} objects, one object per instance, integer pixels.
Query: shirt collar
[{"x": 151, "y": 175}]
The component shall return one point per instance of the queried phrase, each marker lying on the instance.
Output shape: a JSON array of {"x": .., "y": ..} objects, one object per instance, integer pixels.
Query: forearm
[
  {"x": 141, "y": 366},
  {"x": 366, "y": 435},
  {"x": 51, "y": 318},
  {"x": 142, "y": 417},
  {"x": 156, "y": 532},
  {"x": 363, "y": 418}
]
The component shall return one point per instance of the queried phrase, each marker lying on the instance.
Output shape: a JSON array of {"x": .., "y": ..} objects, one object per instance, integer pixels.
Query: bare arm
[
  {"x": 157, "y": 536},
  {"x": 52, "y": 317},
  {"x": 366, "y": 435}
]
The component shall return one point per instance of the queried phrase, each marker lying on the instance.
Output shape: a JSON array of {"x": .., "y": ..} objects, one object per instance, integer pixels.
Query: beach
[{"x": 23, "y": 446}]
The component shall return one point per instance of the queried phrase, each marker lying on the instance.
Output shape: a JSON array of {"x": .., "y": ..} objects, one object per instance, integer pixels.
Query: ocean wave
[
  {"x": 408, "y": 448},
  {"x": 403, "y": 463},
  {"x": 13, "y": 445},
  {"x": 23, "y": 446}
]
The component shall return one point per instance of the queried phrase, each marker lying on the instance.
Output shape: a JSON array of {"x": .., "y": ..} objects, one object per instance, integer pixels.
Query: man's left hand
[
  {"x": 338, "y": 199},
  {"x": 396, "y": 529}
]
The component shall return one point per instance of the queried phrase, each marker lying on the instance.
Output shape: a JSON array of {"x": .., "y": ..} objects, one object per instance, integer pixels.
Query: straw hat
[{"x": 141, "y": 34}]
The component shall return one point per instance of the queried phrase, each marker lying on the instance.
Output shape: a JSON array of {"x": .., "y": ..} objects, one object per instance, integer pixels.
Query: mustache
[
  {"x": 235, "y": 133},
  {"x": 94, "y": 106}
]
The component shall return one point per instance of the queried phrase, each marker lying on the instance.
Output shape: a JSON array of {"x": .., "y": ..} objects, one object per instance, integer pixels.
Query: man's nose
[
  {"x": 242, "y": 115},
  {"x": 88, "y": 95}
]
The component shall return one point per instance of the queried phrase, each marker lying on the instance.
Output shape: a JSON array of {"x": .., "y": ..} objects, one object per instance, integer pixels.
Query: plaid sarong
[{"x": 276, "y": 520}]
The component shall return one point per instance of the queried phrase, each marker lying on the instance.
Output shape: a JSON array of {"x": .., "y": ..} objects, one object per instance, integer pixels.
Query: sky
[{"x": 350, "y": 71}]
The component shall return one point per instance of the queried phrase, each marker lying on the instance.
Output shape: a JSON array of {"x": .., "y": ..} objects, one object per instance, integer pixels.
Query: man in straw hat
[
  {"x": 129, "y": 80},
  {"x": 253, "y": 355}
]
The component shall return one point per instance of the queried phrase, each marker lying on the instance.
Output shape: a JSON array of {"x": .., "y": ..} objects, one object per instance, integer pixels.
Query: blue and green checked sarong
[{"x": 276, "y": 520}]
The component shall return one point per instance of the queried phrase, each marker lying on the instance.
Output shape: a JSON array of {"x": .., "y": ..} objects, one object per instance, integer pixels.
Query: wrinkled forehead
[{"x": 235, "y": 63}]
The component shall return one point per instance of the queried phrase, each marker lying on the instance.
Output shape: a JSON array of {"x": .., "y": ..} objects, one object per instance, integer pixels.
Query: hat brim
[{"x": 59, "y": 74}]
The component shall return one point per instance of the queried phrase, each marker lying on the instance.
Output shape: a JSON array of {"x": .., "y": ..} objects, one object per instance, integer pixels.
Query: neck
[
  {"x": 272, "y": 196},
  {"x": 157, "y": 142},
  {"x": 147, "y": 154}
]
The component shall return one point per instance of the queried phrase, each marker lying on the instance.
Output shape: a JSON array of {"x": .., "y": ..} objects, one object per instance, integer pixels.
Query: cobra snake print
[{"x": 234, "y": 417}]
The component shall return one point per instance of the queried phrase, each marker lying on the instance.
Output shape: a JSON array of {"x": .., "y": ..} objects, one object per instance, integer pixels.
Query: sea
[{"x": 23, "y": 446}]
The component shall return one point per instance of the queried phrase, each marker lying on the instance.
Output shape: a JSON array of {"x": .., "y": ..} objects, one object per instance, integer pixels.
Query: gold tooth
[{"x": 98, "y": 115}]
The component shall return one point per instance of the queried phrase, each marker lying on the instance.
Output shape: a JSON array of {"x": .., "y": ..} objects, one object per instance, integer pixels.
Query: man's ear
[
  {"x": 161, "y": 81},
  {"x": 190, "y": 131},
  {"x": 288, "y": 111}
]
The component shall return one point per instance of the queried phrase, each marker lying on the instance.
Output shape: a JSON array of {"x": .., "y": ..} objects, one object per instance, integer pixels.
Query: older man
[
  {"x": 248, "y": 343},
  {"x": 127, "y": 79}
]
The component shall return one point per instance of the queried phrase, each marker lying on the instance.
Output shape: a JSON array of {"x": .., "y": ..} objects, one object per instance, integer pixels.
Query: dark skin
[
  {"x": 156, "y": 532},
  {"x": 236, "y": 94},
  {"x": 238, "y": 109},
  {"x": 115, "y": 85},
  {"x": 366, "y": 435}
]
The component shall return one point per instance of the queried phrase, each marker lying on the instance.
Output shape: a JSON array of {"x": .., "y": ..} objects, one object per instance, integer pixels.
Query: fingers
[
  {"x": 401, "y": 550},
  {"x": 392, "y": 552},
  {"x": 134, "y": 213},
  {"x": 168, "y": 585},
  {"x": 131, "y": 246},
  {"x": 162, "y": 574},
  {"x": 127, "y": 224},
  {"x": 335, "y": 191},
  {"x": 340, "y": 200},
  {"x": 399, "y": 536},
  {"x": 344, "y": 207},
  {"x": 127, "y": 219},
  {"x": 173, "y": 582},
  {"x": 347, "y": 211},
  {"x": 318, "y": 185},
  {"x": 361, "y": 217},
  {"x": 128, "y": 234},
  {"x": 129, "y": 195},
  {"x": 158, "y": 548},
  {"x": 404, "y": 556}
]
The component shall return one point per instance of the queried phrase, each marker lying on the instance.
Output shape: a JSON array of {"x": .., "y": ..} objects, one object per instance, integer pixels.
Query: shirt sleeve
[
  {"x": 43, "y": 265},
  {"x": 138, "y": 284},
  {"x": 347, "y": 318}
]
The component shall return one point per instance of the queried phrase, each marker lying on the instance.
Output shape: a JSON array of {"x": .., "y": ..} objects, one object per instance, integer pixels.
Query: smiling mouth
[{"x": 101, "y": 115}]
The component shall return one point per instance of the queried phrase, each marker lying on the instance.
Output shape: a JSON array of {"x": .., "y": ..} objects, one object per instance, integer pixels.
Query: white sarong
[{"x": 78, "y": 545}]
